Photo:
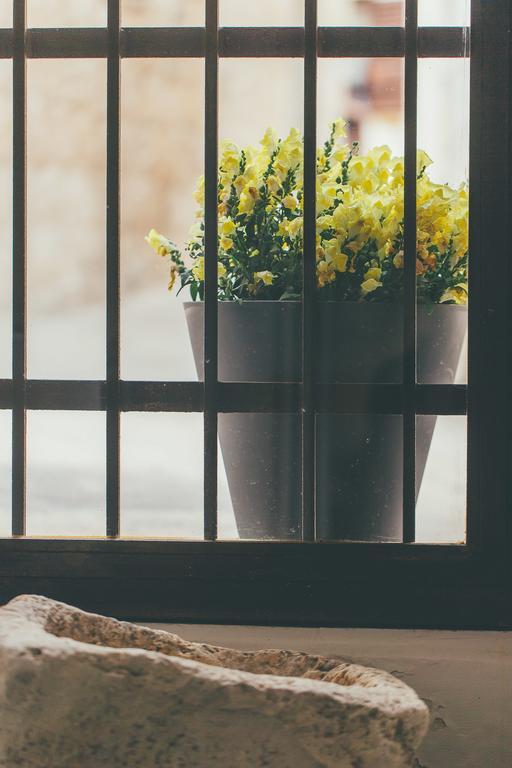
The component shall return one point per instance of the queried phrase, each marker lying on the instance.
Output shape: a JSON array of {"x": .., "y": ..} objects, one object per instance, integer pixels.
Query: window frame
[{"x": 308, "y": 582}]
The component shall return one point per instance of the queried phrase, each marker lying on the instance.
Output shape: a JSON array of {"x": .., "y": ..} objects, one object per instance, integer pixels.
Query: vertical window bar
[
  {"x": 210, "y": 283},
  {"x": 409, "y": 308},
  {"x": 309, "y": 271},
  {"x": 19, "y": 309},
  {"x": 113, "y": 271}
]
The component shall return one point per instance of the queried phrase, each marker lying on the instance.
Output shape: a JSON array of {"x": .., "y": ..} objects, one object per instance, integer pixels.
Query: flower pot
[{"x": 359, "y": 457}]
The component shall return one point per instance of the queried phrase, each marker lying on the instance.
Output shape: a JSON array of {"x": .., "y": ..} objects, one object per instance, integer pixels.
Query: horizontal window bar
[
  {"x": 235, "y": 42},
  {"x": 234, "y": 397}
]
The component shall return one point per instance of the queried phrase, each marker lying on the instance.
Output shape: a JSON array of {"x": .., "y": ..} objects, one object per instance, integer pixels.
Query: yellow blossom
[
  {"x": 273, "y": 183},
  {"x": 246, "y": 203},
  {"x": 159, "y": 243},
  {"x": 340, "y": 262},
  {"x": 370, "y": 285},
  {"x": 198, "y": 268},
  {"x": 295, "y": 226},
  {"x": 339, "y": 127},
  {"x": 325, "y": 273},
  {"x": 226, "y": 243},
  {"x": 290, "y": 202},
  {"x": 265, "y": 277},
  {"x": 458, "y": 294},
  {"x": 374, "y": 273},
  {"x": 227, "y": 227}
]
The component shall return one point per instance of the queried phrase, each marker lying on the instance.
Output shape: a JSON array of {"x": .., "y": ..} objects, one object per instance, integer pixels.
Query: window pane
[
  {"x": 66, "y": 218},
  {"x": 162, "y": 157},
  {"x": 6, "y": 13},
  {"x": 443, "y": 87},
  {"x": 441, "y": 446},
  {"x": 5, "y": 218},
  {"x": 264, "y": 13},
  {"x": 260, "y": 457},
  {"x": 353, "y": 13},
  {"x": 77, "y": 13},
  {"x": 162, "y": 475},
  {"x": 163, "y": 13},
  {"x": 439, "y": 13},
  {"x": 65, "y": 473},
  {"x": 359, "y": 220},
  {"x": 5, "y": 473},
  {"x": 260, "y": 193},
  {"x": 359, "y": 477}
]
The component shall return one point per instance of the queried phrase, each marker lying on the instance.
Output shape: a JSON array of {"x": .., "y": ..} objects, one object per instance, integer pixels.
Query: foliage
[{"x": 359, "y": 224}]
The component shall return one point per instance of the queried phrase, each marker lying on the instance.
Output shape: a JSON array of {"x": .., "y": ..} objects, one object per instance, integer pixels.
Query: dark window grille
[{"x": 306, "y": 582}]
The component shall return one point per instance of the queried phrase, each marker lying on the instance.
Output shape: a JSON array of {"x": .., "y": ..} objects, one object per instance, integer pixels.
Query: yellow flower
[
  {"x": 159, "y": 243},
  {"x": 332, "y": 248},
  {"x": 374, "y": 273},
  {"x": 340, "y": 262},
  {"x": 458, "y": 294},
  {"x": 198, "y": 268},
  {"x": 172, "y": 277},
  {"x": 295, "y": 226},
  {"x": 325, "y": 273},
  {"x": 339, "y": 126},
  {"x": 265, "y": 277},
  {"x": 246, "y": 203},
  {"x": 199, "y": 193},
  {"x": 273, "y": 183},
  {"x": 290, "y": 202},
  {"x": 423, "y": 160},
  {"x": 226, "y": 243},
  {"x": 269, "y": 140},
  {"x": 227, "y": 227},
  {"x": 398, "y": 260},
  {"x": 282, "y": 230},
  {"x": 370, "y": 285},
  {"x": 221, "y": 269}
]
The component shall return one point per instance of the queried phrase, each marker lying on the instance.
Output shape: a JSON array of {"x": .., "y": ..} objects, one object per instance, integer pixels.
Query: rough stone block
[{"x": 84, "y": 691}]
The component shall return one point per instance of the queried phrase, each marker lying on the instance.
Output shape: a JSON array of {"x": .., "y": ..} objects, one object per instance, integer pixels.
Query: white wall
[{"x": 464, "y": 677}]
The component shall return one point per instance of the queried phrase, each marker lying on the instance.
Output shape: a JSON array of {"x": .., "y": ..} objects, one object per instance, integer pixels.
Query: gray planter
[{"x": 358, "y": 457}]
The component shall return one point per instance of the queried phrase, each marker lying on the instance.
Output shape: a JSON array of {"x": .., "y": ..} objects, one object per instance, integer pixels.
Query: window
[{"x": 313, "y": 572}]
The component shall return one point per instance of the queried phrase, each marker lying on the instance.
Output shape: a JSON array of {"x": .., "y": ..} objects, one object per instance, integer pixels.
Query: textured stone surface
[{"x": 83, "y": 691}]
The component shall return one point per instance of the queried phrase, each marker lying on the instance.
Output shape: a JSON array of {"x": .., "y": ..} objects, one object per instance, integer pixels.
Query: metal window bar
[
  {"x": 409, "y": 303},
  {"x": 19, "y": 302},
  {"x": 113, "y": 273},
  {"x": 211, "y": 397},
  {"x": 210, "y": 284},
  {"x": 308, "y": 417}
]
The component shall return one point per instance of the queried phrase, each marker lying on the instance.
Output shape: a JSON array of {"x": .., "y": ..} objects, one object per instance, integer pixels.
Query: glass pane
[
  {"x": 65, "y": 473},
  {"x": 162, "y": 475},
  {"x": 77, "y": 13},
  {"x": 261, "y": 460},
  {"x": 66, "y": 218},
  {"x": 259, "y": 197},
  {"x": 162, "y": 157},
  {"x": 441, "y": 473},
  {"x": 443, "y": 86},
  {"x": 163, "y": 13},
  {"x": 439, "y": 13},
  {"x": 264, "y": 13},
  {"x": 359, "y": 477},
  {"x": 353, "y": 13},
  {"x": 5, "y": 218},
  {"x": 359, "y": 220},
  {"x": 6, "y": 13},
  {"x": 5, "y": 473}
]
